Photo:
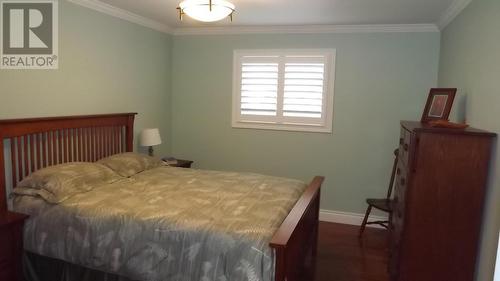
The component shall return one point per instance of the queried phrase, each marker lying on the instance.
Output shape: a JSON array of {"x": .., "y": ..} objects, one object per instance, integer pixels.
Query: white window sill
[{"x": 283, "y": 127}]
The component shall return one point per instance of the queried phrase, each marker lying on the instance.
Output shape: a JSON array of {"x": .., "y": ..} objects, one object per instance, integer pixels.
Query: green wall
[
  {"x": 106, "y": 65},
  {"x": 470, "y": 60},
  {"x": 381, "y": 78}
]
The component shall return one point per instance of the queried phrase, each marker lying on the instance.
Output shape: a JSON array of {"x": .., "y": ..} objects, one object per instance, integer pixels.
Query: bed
[{"x": 42, "y": 142}]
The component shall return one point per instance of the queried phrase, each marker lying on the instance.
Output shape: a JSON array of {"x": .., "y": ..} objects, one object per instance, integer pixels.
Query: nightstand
[
  {"x": 11, "y": 245},
  {"x": 182, "y": 163}
]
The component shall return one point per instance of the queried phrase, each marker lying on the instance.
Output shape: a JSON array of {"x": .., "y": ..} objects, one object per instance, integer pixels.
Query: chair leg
[{"x": 365, "y": 220}]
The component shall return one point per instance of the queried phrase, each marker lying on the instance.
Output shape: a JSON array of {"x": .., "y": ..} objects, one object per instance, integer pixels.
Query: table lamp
[{"x": 150, "y": 137}]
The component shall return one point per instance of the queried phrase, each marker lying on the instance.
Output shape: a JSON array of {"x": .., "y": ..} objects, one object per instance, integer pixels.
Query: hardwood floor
[{"x": 341, "y": 256}]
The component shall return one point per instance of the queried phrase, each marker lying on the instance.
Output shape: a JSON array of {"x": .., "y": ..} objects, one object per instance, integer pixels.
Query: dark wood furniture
[
  {"x": 182, "y": 163},
  {"x": 438, "y": 202},
  {"x": 11, "y": 245},
  {"x": 40, "y": 142},
  {"x": 384, "y": 204}
]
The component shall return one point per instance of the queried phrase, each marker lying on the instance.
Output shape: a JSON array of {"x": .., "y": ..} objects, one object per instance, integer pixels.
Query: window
[{"x": 284, "y": 89}]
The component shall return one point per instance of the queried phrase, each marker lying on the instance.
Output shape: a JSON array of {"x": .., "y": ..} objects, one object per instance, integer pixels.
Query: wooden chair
[{"x": 381, "y": 204}]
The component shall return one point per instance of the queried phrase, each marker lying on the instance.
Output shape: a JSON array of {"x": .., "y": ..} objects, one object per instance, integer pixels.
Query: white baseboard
[{"x": 347, "y": 218}]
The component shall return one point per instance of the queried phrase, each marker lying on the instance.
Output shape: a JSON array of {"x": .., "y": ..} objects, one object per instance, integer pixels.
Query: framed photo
[{"x": 438, "y": 104}]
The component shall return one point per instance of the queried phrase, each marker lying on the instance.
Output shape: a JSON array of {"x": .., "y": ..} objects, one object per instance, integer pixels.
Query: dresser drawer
[
  {"x": 395, "y": 239},
  {"x": 7, "y": 245},
  {"x": 397, "y": 222},
  {"x": 5, "y": 265},
  {"x": 398, "y": 215},
  {"x": 11, "y": 251},
  {"x": 400, "y": 185},
  {"x": 11, "y": 246},
  {"x": 404, "y": 146},
  {"x": 7, "y": 272},
  {"x": 394, "y": 260},
  {"x": 400, "y": 196}
]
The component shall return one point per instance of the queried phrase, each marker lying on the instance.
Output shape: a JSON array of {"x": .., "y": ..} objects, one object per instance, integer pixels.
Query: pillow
[
  {"x": 129, "y": 164},
  {"x": 58, "y": 183}
]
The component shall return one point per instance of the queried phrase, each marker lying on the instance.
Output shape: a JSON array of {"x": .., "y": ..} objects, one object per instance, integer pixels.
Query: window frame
[{"x": 281, "y": 122}]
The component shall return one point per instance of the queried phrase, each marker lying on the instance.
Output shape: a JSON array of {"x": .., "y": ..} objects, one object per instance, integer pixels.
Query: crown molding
[
  {"x": 234, "y": 30},
  {"x": 306, "y": 29},
  {"x": 123, "y": 14},
  {"x": 452, "y": 12}
]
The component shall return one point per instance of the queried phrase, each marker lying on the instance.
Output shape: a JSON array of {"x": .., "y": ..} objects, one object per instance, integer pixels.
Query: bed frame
[{"x": 41, "y": 142}]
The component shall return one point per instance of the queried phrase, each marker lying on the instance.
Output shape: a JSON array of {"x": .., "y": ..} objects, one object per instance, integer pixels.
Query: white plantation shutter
[
  {"x": 289, "y": 90},
  {"x": 259, "y": 88},
  {"x": 304, "y": 91}
]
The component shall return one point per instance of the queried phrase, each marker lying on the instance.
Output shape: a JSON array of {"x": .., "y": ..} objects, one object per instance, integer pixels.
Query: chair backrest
[{"x": 393, "y": 173}]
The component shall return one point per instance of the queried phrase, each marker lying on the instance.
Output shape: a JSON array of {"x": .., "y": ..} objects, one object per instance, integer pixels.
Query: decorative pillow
[
  {"x": 58, "y": 183},
  {"x": 129, "y": 164}
]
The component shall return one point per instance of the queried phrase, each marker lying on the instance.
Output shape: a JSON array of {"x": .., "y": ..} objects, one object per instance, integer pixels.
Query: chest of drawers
[{"x": 438, "y": 200}]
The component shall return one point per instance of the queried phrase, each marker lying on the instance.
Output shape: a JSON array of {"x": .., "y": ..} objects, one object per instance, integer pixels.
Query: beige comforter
[{"x": 167, "y": 224}]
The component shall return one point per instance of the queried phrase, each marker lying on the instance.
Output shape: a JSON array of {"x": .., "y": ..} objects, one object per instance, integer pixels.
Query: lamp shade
[
  {"x": 150, "y": 137},
  {"x": 206, "y": 10}
]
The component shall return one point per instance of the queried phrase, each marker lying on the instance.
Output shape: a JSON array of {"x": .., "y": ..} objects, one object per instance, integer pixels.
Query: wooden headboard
[{"x": 36, "y": 143}]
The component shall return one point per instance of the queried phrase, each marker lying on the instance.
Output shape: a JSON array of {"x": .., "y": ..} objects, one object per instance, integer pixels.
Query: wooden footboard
[{"x": 295, "y": 243}]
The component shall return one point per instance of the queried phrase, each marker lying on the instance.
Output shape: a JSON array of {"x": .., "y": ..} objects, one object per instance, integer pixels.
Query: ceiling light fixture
[{"x": 206, "y": 10}]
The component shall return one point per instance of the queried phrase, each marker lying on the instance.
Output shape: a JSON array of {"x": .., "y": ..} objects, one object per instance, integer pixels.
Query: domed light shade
[{"x": 206, "y": 10}]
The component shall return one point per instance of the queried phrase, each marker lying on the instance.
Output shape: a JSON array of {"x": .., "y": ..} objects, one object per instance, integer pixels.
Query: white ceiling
[{"x": 299, "y": 12}]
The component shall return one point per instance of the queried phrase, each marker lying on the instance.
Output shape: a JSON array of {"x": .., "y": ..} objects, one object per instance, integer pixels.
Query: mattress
[{"x": 167, "y": 224}]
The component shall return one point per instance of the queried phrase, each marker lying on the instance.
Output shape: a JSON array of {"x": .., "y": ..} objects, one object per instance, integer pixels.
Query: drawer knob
[
  {"x": 403, "y": 181},
  {"x": 405, "y": 146},
  {"x": 400, "y": 140}
]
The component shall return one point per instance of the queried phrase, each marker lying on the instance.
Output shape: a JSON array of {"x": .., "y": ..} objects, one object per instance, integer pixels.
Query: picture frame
[{"x": 439, "y": 103}]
